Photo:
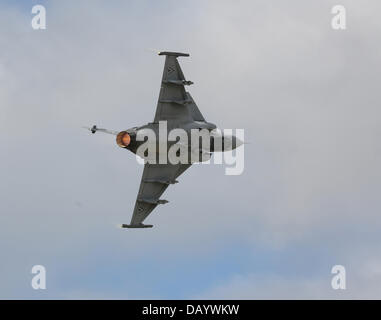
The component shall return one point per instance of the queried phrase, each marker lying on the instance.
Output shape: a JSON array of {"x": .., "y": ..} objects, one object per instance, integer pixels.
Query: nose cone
[{"x": 236, "y": 142}]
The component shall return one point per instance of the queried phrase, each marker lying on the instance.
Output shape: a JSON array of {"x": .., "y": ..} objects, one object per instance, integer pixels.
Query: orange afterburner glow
[{"x": 123, "y": 139}]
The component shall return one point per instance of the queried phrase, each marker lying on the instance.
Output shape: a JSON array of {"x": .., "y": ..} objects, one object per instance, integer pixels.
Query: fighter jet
[{"x": 177, "y": 109}]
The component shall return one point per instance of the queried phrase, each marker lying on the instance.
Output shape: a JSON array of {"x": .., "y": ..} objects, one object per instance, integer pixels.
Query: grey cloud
[{"x": 307, "y": 97}]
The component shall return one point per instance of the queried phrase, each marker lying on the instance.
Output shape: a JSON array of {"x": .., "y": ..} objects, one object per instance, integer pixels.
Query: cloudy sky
[{"x": 309, "y": 198}]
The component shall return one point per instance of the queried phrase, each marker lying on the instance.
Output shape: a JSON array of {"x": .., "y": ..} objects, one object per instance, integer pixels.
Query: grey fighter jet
[{"x": 177, "y": 109}]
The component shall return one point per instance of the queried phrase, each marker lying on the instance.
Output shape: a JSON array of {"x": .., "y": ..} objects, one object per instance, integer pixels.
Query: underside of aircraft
[{"x": 177, "y": 109}]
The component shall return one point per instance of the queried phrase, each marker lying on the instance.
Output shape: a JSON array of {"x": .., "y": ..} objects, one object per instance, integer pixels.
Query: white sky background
[{"x": 306, "y": 95}]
